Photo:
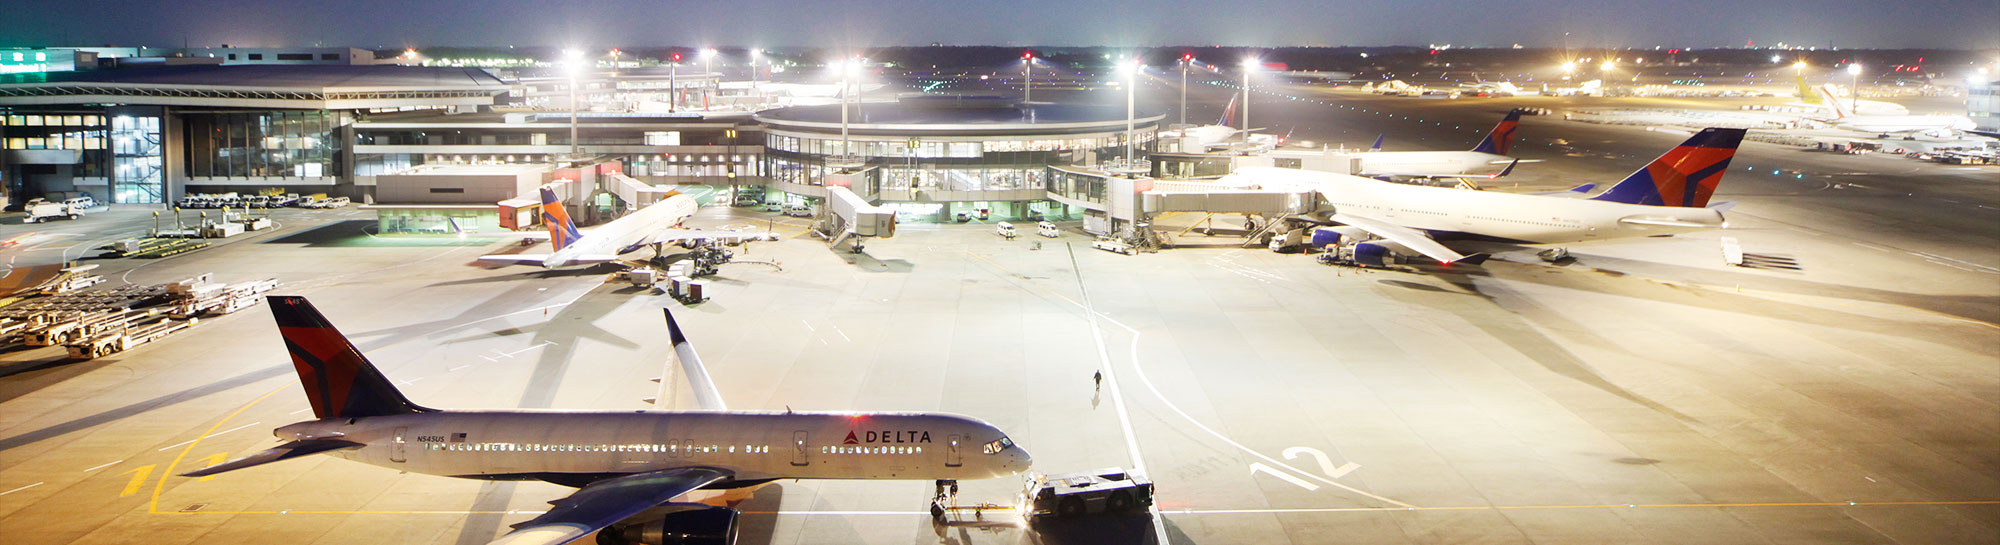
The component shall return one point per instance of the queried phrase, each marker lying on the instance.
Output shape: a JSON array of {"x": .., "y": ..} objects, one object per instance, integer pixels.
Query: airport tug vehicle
[{"x": 1108, "y": 490}]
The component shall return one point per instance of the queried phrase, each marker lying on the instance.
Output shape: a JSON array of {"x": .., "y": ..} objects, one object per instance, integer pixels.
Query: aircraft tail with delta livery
[
  {"x": 562, "y": 231},
  {"x": 1501, "y": 140},
  {"x": 1685, "y": 176}
]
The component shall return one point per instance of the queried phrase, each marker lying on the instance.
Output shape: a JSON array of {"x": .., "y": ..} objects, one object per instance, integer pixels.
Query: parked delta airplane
[
  {"x": 1845, "y": 118},
  {"x": 1487, "y": 160},
  {"x": 654, "y": 225},
  {"x": 1385, "y": 220},
  {"x": 624, "y": 463}
]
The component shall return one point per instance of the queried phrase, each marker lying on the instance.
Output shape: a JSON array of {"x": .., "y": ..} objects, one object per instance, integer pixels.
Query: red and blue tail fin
[
  {"x": 1686, "y": 176},
  {"x": 1501, "y": 140},
  {"x": 1228, "y": 112},
  {"x": 339, "y": 381},
  {"x": 562, "y": 231}
]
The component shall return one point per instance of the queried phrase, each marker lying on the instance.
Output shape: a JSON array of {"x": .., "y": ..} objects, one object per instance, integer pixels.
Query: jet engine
[
  {"x": 1373, "y": 254},
  {"x": 696, "y": 525}
]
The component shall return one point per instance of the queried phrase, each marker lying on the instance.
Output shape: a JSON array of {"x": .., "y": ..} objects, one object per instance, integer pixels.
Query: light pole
[
  {"x": 848, "y": 72},
  {"x": 1028, "y": 77},
  {"x": 1186, "y": 59},
  {"x": 1854, "y": 69},
  {"x": 573, "y": 63},
  {"x": 1248, "y": 65},
  {"x": 1131, "y": 98},
  {"x": 754, "y": 88},
  {"x": 673, "y": 88},
  {"x": 708, "y": 69}
]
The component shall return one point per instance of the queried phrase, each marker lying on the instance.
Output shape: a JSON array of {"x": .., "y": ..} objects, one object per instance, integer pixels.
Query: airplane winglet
[
  {"x": 1473, "y": 259},
  {"x": 706, "y": 396},
  {"x": 1505, "y": 171},
  {"x": 1378, "y": 142}
]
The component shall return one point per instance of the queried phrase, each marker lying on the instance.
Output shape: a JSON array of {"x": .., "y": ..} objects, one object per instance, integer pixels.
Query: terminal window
[
  {"x": 329, "y": 56},
  {"x": 295, "y": 56},
  {"x": 256, "y": 56}
]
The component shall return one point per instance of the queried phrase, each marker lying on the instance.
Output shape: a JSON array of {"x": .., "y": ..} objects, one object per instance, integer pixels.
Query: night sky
[{"x": 1958, "y": 24}]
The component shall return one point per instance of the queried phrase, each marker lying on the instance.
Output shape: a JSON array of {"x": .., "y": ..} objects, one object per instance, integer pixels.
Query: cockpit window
[{"x": 998, "y": 445}]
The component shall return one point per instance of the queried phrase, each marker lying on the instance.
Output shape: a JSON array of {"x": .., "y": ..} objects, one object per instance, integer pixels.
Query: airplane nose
[{"x": 1021, "y": 461}]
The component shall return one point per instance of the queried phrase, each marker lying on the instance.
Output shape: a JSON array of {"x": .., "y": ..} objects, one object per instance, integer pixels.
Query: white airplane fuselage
[
  {"x": 1904, "y": 123},
  {"x": 1506, "y": 216},
  {"x": 1432, "y": 163},
  {"x": 624, "y": 234},
  {"x": 751, "y": 446}
]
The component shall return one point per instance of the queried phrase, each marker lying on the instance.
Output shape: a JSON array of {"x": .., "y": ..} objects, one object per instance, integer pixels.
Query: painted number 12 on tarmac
[{"x": 1325, "y": 465}]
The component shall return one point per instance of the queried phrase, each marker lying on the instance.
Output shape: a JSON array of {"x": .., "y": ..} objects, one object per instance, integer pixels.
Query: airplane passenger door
[
  {"x": 396, "y": 445},
  {"x": 799, "y": 449},
  {"x": 951, "y": 454}
]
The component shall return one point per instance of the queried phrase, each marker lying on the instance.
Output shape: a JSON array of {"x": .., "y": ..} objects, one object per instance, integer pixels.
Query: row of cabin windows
[
  {"x": 640, "y": 447},
  {"x": 870, "y": 450},
  {"x": 1487, "y": 218}
]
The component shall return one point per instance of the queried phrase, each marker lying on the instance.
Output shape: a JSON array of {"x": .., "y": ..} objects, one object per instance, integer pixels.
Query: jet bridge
[
  {"x": 852, "y": 217},
  {"x": 1220, "y": 199}
]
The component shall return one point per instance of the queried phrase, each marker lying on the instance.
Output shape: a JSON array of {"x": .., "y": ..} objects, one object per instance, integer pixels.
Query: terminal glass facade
[
  {"x": 296, "y": 144},
  {"x": 956, "y": 164},
  {"x": 138, "y": 176},
  {"x": 63, "y": 131}
]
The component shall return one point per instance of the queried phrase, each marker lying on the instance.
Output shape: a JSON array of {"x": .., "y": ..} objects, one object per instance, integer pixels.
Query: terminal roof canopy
[
  {"x": 258, "y": 86},
  {"x": 318, "y": 76},
  {"x": 950, "y": 114}
]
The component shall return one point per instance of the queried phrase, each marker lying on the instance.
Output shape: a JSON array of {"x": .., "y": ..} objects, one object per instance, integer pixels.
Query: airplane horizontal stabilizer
[
  {"x": 1722, "y": 206},
  {"x": 1577, "y": 191},
  {"x": 1665, "y": 223},
  {"x": 285, "y": 451},
  {"x": 525, "y": 259}
]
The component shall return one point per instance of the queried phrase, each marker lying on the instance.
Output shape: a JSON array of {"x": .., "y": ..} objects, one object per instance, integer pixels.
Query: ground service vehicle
[
  {"x": 1108, "y": 490},
  {"x": 1113, "y": 245},
  {"x": 1047, "y": 229},
  {"x": 40, "y": 210}
]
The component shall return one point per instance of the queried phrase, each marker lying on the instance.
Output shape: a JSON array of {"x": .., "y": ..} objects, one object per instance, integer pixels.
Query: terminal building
[
  {"x": 932, "y": 157},
  {"x": 150, "y": 135}
]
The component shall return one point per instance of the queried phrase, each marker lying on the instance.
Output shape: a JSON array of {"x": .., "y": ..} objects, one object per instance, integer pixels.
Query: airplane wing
[
  {"x": 706, "y": 396},
  {"x": 285, "y": 451},
  {"x": 606, "y": 502},
  {"x": 1411, "y": 238},
  {"x": 678, "y": 235}
]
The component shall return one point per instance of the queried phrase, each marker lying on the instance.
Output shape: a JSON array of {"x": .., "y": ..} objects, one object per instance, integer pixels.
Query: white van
[
  {"x": 798, "y": 211},
  {"x": 1047, "y": 229},
  {"x": 1006, "y": 230}
]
